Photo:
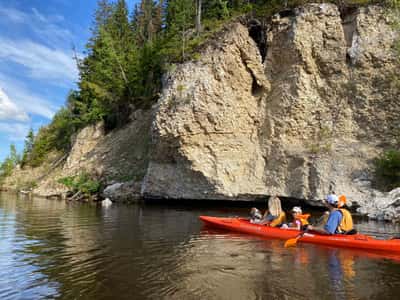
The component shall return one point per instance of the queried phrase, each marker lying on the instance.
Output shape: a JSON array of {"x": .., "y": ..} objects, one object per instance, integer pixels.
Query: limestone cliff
[
  {"x": 298, "y": 114},
  {"x": 308, "y": 119}
]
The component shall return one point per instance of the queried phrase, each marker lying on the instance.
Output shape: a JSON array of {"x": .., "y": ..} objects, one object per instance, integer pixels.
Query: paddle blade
[{"x": 291, "y": 243}]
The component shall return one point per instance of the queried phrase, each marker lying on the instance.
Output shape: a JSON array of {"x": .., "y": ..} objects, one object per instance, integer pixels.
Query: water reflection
[
  {"x": 53, "y": 249},
  {"x": 317, "y": 272}
]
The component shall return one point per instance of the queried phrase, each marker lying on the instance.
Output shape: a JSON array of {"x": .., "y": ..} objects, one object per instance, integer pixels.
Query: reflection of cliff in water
[
  {"x": 83, "y": 250},
  {"x": 55, "y": 249},
  {"x": 21, "y": 273},
  {"x": 267, "y": 269}
]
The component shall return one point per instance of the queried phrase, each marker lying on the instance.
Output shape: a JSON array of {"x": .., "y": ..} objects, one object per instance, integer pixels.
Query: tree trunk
[{"x": 198, "y": 16}]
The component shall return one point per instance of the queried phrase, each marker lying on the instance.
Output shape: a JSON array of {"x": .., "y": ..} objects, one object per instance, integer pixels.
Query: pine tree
[
  {"x": 29, "y": 142},
  {"x": 110, "y": 67},
  {"x": 14, "y": 157},
  {"x": 216, "y": 9},
  {"x": 179, "y": 19},
  {"x": 11, "y": 161},
  {"x": 147, "y": 21}
]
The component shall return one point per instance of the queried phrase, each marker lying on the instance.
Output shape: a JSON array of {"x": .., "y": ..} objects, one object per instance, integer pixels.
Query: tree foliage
[
  {"x": 387, "y": 168},
  {"x": 10, "y": 162},
  {"x": 28, "y": 147},
  {"x": 81, "y": 183}
]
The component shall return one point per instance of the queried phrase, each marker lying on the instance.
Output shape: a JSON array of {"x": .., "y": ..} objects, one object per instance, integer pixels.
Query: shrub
[
  {"x": 387, "y": 169},
  {"x": 81, "y": 183}
]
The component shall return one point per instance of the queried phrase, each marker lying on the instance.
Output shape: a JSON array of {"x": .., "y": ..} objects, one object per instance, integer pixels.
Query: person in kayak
[
  {"x": 300, "y": 220},
  {"x": 255, "y": 216},
  {"x": 339, "y": 219},
  {"x": 273, "y": 217},
  {"x": 324, "y": 218}
]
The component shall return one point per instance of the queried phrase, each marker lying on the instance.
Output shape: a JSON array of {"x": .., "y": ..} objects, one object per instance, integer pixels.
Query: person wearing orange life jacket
[
  {"x": 324, "y": 218},
  {"x": 339, "y": 221},
  {"x": 300, "y": 220}
]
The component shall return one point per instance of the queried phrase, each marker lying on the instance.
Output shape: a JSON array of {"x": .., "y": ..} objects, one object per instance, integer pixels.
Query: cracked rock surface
[{"x": 309, "y": 119}]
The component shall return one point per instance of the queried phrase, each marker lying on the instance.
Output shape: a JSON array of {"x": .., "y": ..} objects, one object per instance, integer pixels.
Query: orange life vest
[
  {"x": 346, "y": 224},
  {"x": 279, "y": 220},
  {"x": 303, "y": 219}
]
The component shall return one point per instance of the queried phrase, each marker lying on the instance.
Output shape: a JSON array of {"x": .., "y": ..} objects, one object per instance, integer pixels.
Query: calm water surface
[{"x": 55, "y": 250}]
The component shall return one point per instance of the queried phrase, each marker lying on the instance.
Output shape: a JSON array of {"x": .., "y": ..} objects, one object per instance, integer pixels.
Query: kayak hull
[{"x": 356, "y": 241}]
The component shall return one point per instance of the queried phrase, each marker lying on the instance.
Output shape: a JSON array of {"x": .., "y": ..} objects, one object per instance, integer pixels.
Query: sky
[{"x": 37, "y": 69}]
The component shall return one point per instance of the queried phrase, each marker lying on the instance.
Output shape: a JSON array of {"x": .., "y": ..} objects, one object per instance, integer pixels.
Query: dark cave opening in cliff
[
  {"x": 257, "y": 32},
  {"x": 286, "y": 13},
  {"x": 347, "y": 10}
]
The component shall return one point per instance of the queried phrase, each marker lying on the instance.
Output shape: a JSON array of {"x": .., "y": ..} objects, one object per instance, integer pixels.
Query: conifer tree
[
  {"x": 107, "y": 71},
  {"x": 216, "y": 9},
  {"x": 11, "y": 161},
  {"x": 147, "y": 21},
  {"x": 179, "y": 18},
  {"x": 29, "y": 142},
  {"x": 14, "y": 157}
]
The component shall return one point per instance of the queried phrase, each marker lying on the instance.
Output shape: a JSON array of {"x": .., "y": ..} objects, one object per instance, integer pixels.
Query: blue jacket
[{"x": 333, "y": 222}]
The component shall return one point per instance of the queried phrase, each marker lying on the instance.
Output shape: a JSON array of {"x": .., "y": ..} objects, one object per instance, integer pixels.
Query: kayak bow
[{"x": 356, "y": 241}]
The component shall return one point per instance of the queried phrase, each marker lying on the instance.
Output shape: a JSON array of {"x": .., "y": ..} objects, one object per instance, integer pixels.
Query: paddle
[{"x": 293, "y": 242}]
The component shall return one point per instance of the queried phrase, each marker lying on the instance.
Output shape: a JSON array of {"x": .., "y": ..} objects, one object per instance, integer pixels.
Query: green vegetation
[
  {"x": 9, "y": 163},
  {"x": 387, "y": 168},
  {"x": 81, "y": 183},
  {"x": 387, "y": 165}
]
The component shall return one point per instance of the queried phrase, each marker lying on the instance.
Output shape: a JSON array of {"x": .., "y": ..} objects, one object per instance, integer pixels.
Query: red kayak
[{"x": 356, "y": 241}]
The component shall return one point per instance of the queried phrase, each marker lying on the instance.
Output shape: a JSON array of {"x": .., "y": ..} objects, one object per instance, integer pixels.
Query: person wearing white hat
[
  {"x": 300, "y": 221},
  {"x": 339, "y": 220}
]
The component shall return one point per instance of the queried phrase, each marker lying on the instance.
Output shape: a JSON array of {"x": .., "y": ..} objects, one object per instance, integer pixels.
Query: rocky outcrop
[
  {"x": 383, "y": 206},
  {"x": 205, "y": 132},
  {"x": 298, "y": 114},
  {"x": 85, "y": 142},
  {"x": 307, "y": 120},
  {"x": 123, "y": 192},
  {"x": 117, "y": 157}
]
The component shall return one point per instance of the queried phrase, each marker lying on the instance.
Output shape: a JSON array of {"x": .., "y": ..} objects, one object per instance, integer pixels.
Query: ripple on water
[{"x": 51, "y": 249}]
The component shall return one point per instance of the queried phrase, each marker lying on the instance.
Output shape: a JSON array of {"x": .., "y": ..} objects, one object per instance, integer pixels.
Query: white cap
[
  {"x": 332, "y": 199},
  {"x": 297, "y": 209}
]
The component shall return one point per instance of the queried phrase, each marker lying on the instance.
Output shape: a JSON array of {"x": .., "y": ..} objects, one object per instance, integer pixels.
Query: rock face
[
  {"x": 384, "y": 206},
  {"x": 123, "y": 192},
  {"x": 205, "y": 132},
  {"x": 308, "y": 119},
  {"x": 118, "y": 157},
  {"x": 298, "y": 115}
]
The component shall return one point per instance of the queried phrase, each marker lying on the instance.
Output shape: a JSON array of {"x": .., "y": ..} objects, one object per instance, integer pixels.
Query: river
[{"x": 51, "y": 249}]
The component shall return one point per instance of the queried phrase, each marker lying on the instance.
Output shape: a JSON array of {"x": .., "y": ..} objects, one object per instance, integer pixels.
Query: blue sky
[{"x": 37, "y": 68}]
